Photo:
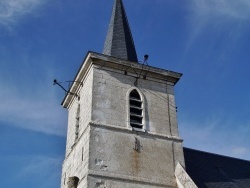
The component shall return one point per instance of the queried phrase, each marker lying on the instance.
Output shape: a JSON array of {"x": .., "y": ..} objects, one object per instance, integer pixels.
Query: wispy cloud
[
  {"x": 12, "y": 10},
  {"x": 220, "y": 16},
  {"x": 32, "y": 170},
  {"x": 216, "y": 14},
  {"x": 223, "y": 9},
  {"x": 240, "y": 151},
  {"x": 217, "y": 135},
  {"x": 31, "y": 102},
  {"x": 39, "y": 113},
  {"x": 39, "y": 165}
]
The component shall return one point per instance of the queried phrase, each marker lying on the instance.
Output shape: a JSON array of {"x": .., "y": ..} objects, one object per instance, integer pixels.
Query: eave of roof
[{"x": 210, "y": 170}]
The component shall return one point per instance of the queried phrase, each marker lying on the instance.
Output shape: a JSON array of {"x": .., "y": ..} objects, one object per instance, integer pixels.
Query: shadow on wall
[{"x": 73, "y": 182}]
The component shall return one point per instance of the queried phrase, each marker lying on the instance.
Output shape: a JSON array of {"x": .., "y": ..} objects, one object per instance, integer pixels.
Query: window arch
[{"x": 135, "y": 110}]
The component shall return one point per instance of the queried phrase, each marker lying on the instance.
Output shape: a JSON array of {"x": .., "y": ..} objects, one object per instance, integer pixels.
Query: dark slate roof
[
  {"x": 209, "y": 170},
  {"x": 119, "y": 41}
]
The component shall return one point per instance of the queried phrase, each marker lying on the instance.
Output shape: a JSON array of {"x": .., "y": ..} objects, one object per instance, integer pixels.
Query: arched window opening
[
  {"x": 135, "y": 104},
  {"x": 73, "y": 182}
]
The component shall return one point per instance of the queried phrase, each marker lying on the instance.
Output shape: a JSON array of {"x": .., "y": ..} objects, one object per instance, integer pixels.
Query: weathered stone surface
[
  {"x": 182, "y": 178},
  {"x": 115, "y": 150},
  {"x": 72, "y": 182},
  {"x": 110, "y": 102},
  {"x": 105, "y": 154}
]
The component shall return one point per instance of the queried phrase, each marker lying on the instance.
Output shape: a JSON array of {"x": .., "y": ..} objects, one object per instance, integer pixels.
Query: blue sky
[{"x": 206, "y": 40}]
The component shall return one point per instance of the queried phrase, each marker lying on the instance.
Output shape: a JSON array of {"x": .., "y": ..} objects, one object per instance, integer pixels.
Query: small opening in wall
[
  {"x": 137, "y": 145},
  {"x": 82, "y": 152},
  {"x": 73, "y": 182},
  {"x": 77, "y": 122},
  {"x": 64, "y": 179}
]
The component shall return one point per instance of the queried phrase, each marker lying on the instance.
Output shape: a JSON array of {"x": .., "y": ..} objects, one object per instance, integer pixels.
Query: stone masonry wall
[
  {"x": 113, "y": 156},
  {"x": 85, "y": 111},
  {"x": 76, "y": 164},
  {"x": 77, "y": 151},
  {"x": 105, "y": 155},
  {"x": 110, "y": 101}
]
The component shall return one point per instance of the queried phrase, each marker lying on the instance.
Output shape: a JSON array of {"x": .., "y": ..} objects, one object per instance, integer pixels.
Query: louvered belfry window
[{"x": 136, "y": 115}]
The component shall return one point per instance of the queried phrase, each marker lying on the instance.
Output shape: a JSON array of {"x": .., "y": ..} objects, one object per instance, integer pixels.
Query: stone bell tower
[{"x": 122, "y": 125}]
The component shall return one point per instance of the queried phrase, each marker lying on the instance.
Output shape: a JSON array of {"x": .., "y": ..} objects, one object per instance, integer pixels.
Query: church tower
[{"x": 122, "y": 125}]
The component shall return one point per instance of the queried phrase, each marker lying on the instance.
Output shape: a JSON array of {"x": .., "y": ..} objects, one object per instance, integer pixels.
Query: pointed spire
[{"x": 119, "y": 41}]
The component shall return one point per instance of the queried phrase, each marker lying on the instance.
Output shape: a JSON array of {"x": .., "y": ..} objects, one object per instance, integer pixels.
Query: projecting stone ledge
[
  {"x": 123, "y": 66},
  {"x": 182, "y": 178}
]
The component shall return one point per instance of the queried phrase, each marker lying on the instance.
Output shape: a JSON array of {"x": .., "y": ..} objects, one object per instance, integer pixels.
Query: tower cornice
[{"x": 122, "y": 66}]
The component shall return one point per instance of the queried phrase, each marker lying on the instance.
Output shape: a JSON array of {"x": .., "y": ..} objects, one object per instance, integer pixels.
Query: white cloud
[
  {"x": 39, "y": 168},
  {"x": 40, "y": 111},
  {"x": 217, "y": 135},
  {"x": 38, "y": 164},
  {"x": 239, "y": 9},
  {"x": 12, "y": 10},
  {"x": 239, "y": 151},
  {"x": 207, "y": 14},
  {"x": 227, "y": 18},
  {"x": 28, "y": 98}
]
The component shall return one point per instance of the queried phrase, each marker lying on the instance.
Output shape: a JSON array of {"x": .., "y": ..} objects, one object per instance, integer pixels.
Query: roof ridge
[{"x": 220, "y": 155}]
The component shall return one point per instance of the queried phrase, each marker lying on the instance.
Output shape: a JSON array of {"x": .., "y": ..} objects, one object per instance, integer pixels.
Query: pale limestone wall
[
  {"x": 112, "y": 155},
  {"x": 83, "y": 183},
  {"x": 95, "y": 182},
  {"x": 109, "y": 99},
  {"x": 85, "y": 111},
  {"x": 110, "y": 90},
  {"x": 172, "y": 110},
  {"x": 76, "y": 164},
  {"x": 182, "y": 178},
  {"x": 77, "y": 151},
  {"x": 104, "y": 154},
  {"x": 71, "y": 126},
  {"x": 178, "y": 153},
  {"x": 86, "y": 102}
]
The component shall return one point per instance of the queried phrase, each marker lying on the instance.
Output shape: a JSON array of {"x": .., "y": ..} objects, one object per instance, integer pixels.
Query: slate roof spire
[{"x": 119, "y": 41}]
